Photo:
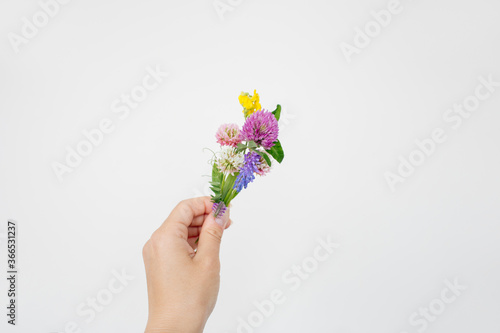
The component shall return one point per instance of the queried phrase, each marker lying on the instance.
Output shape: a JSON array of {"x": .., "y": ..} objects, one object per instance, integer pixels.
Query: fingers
[
  {"x": 210, "y": 237},
  {"x": 194, "y": 231},
  {"x": 187, "y": 222},
  {"x": 194, "y": 234},
  {"x": 188, "y": 210},
  {"x": 192, "y": 242}
]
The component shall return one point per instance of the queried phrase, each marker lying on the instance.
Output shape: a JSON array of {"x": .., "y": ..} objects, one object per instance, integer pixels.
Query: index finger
[{"x": 187, "y": 211}]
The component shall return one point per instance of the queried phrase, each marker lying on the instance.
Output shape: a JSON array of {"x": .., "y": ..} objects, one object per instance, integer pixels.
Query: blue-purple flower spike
[
  {"x": 247, "y": 171},
  {"x": 219, "y": 208}
]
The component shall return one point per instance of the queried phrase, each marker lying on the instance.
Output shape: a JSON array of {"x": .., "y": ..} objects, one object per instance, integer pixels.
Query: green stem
[{"x": 217, "y": 211}]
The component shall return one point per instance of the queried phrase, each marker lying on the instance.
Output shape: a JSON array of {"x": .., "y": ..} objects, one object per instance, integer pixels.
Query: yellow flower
[{"x": 250, "y": 103}]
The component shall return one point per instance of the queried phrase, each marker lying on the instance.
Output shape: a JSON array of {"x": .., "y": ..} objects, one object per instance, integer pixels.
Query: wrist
[{"x": 180, "y": 326}]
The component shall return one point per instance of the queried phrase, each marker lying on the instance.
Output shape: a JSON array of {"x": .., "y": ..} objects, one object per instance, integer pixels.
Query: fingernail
[{"x": 221, "y": 221}]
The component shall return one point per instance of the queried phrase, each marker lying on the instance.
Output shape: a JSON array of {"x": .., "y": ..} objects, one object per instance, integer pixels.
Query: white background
[{"x": 345, "y": 124}]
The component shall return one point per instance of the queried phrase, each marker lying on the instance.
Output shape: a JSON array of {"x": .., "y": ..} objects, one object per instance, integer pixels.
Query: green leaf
[
  {"x": 251, "y": 144},
  {"x": 264, "y": 156},
  {"x": 228, "y": 187},
  {"x": 215, "y": 172},
  {"x": 277, "y": 112},
  {"x": 276, "y": 151},
  {"x": 241, "y": 147},
  {"x": 216, "y": 182}
]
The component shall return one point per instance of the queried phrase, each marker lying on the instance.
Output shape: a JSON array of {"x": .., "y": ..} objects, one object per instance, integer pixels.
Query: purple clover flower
[{"x": 262, "y": 128}]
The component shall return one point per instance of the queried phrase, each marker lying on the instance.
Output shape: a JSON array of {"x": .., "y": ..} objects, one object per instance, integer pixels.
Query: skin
[{"x": 182, "y": 275}]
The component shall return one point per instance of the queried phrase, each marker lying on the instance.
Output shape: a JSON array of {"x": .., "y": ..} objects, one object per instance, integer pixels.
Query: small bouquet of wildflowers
[{"x": 245, "y": 152}]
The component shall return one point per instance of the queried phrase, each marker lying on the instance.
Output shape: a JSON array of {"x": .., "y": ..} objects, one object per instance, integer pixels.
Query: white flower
[{"x": 229, "y": 161}]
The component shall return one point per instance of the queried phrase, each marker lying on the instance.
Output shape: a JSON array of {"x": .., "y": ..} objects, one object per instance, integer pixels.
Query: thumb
[{"x": 211, "y": 236}]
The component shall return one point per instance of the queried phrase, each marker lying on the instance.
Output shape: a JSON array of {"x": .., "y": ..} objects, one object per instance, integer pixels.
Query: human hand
[{"x": 182, "y": 274}]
